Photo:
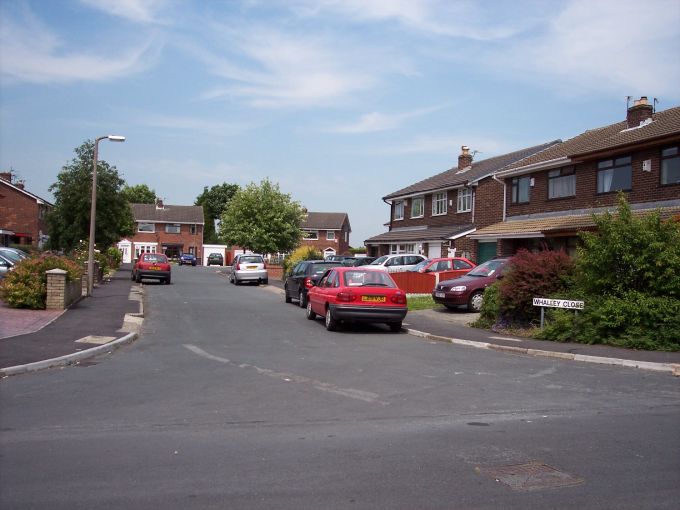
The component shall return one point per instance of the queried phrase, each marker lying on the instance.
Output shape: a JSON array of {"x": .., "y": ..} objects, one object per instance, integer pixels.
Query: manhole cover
[{"x": 530, "y": 477}]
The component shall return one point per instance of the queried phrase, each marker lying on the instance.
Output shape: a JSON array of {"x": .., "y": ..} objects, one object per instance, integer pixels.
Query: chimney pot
[
  {"x": 465, "y": 158},
  {"x": 639, "y": 112}
]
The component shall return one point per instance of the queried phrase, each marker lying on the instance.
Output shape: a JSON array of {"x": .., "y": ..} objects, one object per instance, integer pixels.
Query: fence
[{"x": 420, "y": 283}]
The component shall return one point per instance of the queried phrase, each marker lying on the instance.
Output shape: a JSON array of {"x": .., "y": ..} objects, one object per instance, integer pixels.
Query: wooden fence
[{"x": 420, "y": 283}]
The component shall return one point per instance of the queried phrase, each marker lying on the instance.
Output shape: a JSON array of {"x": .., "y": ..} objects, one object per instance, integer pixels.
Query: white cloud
[
  {"x": 375, "y": 121},
  {"x": 138, "y": 11},
  {"x": 193, "y": 125},
  {"x": 32, "y": 53}
]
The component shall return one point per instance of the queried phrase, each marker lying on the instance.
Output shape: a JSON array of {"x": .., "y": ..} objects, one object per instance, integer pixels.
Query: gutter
[{"x": 542, "y": 165}]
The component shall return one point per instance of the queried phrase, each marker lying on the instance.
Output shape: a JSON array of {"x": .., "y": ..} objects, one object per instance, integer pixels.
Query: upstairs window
[
  {"x": 312, "y": 235},
  {"x": 464, "y": 200},
  {"x": 172, "y": 228},
  {"x": 438, "y": 204},
  {"x": 146, "y": 227},
  {"x": 192, "y": 229},
  {"x": 614, "y": 175},
  {"x": 417, "y": 207},
  {"x": 562, "y": 182},
  {"x": 520, "y": 189},
  {"x": 670, "y": 166},
  {"x": 399, "y": 210},
  {"x": 330, "y": 235}
]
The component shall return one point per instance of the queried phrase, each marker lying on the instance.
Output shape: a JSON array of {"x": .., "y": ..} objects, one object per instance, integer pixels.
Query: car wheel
[
  {"x": 132, "y": 276},
  {"x": 194, "y": 264},
  {"x": 310, "y": 314},
  {"x": 138, "y": 278},
  {"x": 265, "y": 281},
  {"x": 302, "y": 299},
  {"x": 475, "y": 301},
  {"x": 395, "y": 327},
  {"x": 331, "y": 323},
  {"x": 167, "y": 281},
  {"x": 285, "y": 293}
]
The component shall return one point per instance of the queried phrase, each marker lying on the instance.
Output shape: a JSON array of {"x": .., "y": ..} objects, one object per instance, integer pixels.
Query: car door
[
  {"x": 317, "y": 294},
  {"x": 297, "y": 278}
]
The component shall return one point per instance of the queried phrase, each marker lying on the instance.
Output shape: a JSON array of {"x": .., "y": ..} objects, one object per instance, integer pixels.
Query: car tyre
[
  {"x": 132, "y": 276},
  {"x": 138, "y": 278},
  {"x": 475, "y": 301},
  {"x": 395, "y": 327},
  {"x": 285, "y": 294},
  {"x": 310, "y": 314},
  {"x": 167, "y": 281},
  {"x": 331, "y": 323},
  {"x": 265, "y": 281},
  {"x": 302, "y": 299}
]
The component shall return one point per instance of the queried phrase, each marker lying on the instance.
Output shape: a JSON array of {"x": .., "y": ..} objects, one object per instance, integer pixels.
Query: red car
[
  {"x": 154, "y": 266},
  {"x": 357, "y": 294},
  {"x": 458, "y": 265}
]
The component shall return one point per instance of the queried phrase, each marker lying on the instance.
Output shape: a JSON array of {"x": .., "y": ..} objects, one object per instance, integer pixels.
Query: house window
[
  {"x": 172, "y": 228},
  {"x": 520, "y": 189},
  {"x": 330, "y": 235},
  {"x": 402, "y": 248},
  {"x": 562, "y": 182},
  {"x": 614, "y": 174},
  {"x": 312, "y": 235},
  {"x": 399, "y": 210},
  {"x": 438, "y": 204},
  {"x": 417, "y": 207},
  {"x": 464, "y": 200},
  {"x": 670, "y": 166},
  {"x": 146, "y": 227},
  {"x": 192, "y": 229}
]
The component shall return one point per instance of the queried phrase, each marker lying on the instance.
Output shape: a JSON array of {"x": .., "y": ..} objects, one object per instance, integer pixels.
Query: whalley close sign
[{"x": 559, "y": 303}]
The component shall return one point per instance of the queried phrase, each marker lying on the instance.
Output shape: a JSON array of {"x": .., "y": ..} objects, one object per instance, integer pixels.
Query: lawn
[{"x": 421, "y": 302}]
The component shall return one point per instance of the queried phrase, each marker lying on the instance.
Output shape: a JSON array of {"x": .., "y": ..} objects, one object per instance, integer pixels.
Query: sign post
[{"x": 569, "y": 304}]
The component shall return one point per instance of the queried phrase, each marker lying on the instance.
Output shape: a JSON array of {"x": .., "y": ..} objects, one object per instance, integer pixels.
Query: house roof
[
  {"x": 27, "y": 193},
  {"x": 554, "y": 225},
  {"x": 479, "y": 170},
  {"x": 664, "y": 124},
  {"x": 168, "y": 214},
  {"x": 325, "y": 221},
  {"x": 421, "y": 234}
]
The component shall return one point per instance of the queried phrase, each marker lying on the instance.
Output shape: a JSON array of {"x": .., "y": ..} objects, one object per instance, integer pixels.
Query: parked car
[
  {"x": 304, "y": 276},
  {"x": 395, "y": 263},
  {"x": 460, "y": 265},
  {"x": 248, "y": 268},
  {"x": 187, "y": 258},
  {"x": 359, "y": 261},
  {"x": 154, "y": 266},
  {"x": 468, "y": 290},
  {"x": 340, "y": 258},
  {"x": 6, "y": 265},
  {"x": 357, "y": 294},
  {"x": 13, "y": 253},
  {"x": 215, "y": 259}
]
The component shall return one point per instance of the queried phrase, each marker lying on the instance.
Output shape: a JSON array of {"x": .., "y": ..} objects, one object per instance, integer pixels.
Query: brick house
[
  {"x": 435, "y": 216},
  {"x": 22, "y": 214},
  {"x": 169, "y": 229},
  {"x": 552, "y": 195},
  {"x": 327, "y": 232}
]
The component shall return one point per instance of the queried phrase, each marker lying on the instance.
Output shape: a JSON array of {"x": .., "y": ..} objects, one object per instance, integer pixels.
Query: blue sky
[{"x": 340, "y": 102}]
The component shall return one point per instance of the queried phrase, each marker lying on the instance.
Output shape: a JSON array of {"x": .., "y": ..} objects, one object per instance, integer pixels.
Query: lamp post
[{"x": 93, "y": 209}]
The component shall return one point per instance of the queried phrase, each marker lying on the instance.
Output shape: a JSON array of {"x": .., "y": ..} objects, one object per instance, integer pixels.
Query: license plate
[
  {"x": 251, "y": 267},
  {"x": 155, "y": 268},
  {"x": 373, "y": 299},
  {"x": 439, "y": 294}
]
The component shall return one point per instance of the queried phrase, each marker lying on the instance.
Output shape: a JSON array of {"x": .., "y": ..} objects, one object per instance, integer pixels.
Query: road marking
[
  {"x": 505, "y": 338},
  {"x": 365, "y": 396}
]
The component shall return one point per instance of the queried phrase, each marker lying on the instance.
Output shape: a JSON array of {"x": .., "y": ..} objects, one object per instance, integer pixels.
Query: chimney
[
  {"x": 159, "y": 204},
  {"x": 7, "y": 176},
  {"x": 465, "y": 158},
  {"x": 19, "y": 184},
  {"x": 639, "y": 112}
]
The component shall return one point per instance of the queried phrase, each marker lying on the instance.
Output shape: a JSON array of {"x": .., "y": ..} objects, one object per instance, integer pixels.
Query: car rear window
[
  {"x": 155, "y": 257},
  {"x": 251, "y": 259},
  {"x": 368, "y": 278},
  {"x": 319, "y": 268}
]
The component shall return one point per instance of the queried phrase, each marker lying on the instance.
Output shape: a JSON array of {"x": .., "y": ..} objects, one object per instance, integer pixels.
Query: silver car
[
  {"x": 248, "y": 268},
  {"x": 6, "y": 265}
]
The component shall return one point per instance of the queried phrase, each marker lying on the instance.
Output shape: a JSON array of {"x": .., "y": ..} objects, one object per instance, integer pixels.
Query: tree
[
  {"x": 262, "y": 219},
  {"x": 139, "y": 194},
  {"x": 214, "y": 202},
  {"x": 69, "y": 220}
]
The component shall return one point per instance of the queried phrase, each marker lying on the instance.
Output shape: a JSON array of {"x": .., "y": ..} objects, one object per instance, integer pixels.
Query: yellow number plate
[{"x": 373, "y": 299}]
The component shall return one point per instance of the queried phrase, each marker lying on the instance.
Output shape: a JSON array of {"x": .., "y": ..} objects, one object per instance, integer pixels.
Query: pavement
[{"x": 33, "y": 340}]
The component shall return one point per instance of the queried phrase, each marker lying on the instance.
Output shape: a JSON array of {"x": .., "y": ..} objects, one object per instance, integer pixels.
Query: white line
[
  {"x": 505, "y": 338},
  {"x": 365, "y": 396}
]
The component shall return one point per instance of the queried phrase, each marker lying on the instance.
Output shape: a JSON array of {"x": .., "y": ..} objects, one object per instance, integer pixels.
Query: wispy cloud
[
  {"x": 32, "y": 53},
  {"x": 450, "y": 144},
  {"x": 375, "y": 121},
  {"x": 602, "y": 46},
  {"x": 193, "y": 125},
  {"x": 138, "y": 11}
]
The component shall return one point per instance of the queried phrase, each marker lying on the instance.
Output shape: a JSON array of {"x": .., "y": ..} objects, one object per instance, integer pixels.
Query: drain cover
[
  {"x": 530, "y": 476},
  {"x": 94, "y": 339}
]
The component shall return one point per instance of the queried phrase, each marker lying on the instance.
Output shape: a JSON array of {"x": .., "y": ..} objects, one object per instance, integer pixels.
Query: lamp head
[{"x": 116, "y": 138}]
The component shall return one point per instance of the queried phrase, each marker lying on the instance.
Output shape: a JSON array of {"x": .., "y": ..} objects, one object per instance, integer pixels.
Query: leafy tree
[
  {"x": 262, "y": 219},
  {"x": 300, "y": 254},
  {"x": 214, "y": 202},
  {"x": 139, "y": 194},
  {"x": 69, "y": 221}
]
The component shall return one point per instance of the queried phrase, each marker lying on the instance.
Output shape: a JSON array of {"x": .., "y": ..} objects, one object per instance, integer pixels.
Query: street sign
[{"x": 559, "y": 303}]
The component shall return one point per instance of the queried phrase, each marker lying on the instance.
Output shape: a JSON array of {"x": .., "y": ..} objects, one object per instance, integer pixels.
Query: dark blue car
[{"x": 187, "y": 258}]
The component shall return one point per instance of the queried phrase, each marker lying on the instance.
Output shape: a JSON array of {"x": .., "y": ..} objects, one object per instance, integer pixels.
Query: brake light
[
  {"x": 308, "y": 283},
  {"x": 399, "y": 298},
  {"x": 238, "y": 267},
  {"x": 345, "y": 297}
]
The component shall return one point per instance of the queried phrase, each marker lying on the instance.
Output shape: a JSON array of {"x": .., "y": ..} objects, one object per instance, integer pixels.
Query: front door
[
  {"x": 434, "y": 250},
  {"x": 486, "y": 251}
]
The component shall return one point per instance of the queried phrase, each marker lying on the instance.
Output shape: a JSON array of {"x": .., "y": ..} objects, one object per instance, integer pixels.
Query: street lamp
[{"x": 93, "y": 210}]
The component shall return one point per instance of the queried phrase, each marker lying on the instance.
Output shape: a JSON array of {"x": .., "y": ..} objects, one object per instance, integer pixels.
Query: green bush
[
  {"x": 26, "y": 285},
  {"x": 302, "y": 253},
  {"x": 491, "y": 309}
]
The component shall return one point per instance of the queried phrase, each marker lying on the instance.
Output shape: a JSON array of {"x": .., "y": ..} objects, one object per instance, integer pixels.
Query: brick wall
[
  {"x": 21, "y": 213},
  {"x": 185, "y": 238},
  {"x": 61, "y": 293},
  {"x": 339, "y": 244}
]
